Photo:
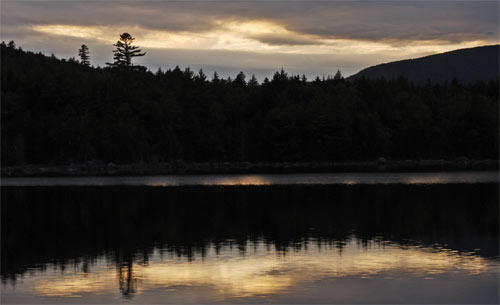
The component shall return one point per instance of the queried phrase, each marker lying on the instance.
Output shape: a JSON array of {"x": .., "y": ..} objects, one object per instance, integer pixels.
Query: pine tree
[
  {"x": 240, "y": 79},
  {"x": 215, "y": 78},
  {"x": 338, "y": 75},
  {"x": 200, "y": 77},
  {"x": 83, "y": 52},
  {"x": 125, "y": 51},
  {"x": 253, "y": 82}
]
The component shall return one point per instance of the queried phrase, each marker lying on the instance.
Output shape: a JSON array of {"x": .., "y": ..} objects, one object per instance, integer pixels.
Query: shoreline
[{"x": 179, "y": 167}]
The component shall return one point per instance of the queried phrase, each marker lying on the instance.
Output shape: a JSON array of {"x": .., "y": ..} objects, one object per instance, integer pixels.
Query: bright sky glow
[{"x": 243, "y": 36}]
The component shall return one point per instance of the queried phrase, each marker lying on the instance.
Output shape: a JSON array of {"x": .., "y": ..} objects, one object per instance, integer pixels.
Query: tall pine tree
[
  {"x": 83, "y": 52},
  {"x": 125, "y": 51}
]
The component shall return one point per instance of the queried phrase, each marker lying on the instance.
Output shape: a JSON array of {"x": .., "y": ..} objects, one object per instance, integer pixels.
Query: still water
[
  {"x": 431, "y": 241},
  {"x": 264, "y": 179}
]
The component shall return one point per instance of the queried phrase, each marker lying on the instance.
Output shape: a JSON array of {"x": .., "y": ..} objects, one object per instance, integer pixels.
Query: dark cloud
[
  {"x": 399, "y": 21},
  {"x": 452, "y": 21},
  {"x": 284, "y": 39}
]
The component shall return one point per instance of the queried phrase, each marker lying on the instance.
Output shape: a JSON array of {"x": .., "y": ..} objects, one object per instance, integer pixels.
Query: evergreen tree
[
  {"x": 215, "y": 78},
  {"x": 125, "y": 51},
  {"x": 83, "y": 52},
  {"x": 240, "y": 79},
  {"x": 179, "y": 115},
  {"x": 253, "y": 82},
  {"x": 200, "y": 77},
  {"x": 338, "y": 75},
  {"x": 280, "y": 76}
]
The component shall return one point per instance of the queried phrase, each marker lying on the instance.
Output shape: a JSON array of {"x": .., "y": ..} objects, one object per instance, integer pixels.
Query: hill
[{"x": 464, "y": 65}]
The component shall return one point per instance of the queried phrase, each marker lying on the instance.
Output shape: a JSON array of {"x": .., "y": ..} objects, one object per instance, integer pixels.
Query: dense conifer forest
[{"x": 57, "y": 111}]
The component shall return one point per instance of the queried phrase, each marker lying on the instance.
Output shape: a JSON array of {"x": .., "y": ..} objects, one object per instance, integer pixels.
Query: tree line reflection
[{"x": 60, "y": 226}]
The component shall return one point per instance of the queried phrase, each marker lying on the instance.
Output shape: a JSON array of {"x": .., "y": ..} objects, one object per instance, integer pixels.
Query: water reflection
[
  {"x": 306, "y": 244},
  {"x": 259, "y": 271}
]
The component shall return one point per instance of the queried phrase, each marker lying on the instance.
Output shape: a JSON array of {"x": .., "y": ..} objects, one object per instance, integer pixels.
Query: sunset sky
[{"x": 256, "y": 37}]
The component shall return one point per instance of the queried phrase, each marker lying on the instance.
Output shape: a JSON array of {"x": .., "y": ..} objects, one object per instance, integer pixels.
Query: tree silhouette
[
  {"x": 240, "y": 79},
  {"x": 253, "y": 82},
  {"x": 338, "y": 75},
  {"x": 180, "y": 115},
  {"x": 83, "y": 52},
  {"x": 125, "y": 51}
]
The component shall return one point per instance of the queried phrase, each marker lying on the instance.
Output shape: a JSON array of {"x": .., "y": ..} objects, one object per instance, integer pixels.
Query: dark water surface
[
  {"x": 264, "y": 179},
  {"x": 399, "y": 242}
]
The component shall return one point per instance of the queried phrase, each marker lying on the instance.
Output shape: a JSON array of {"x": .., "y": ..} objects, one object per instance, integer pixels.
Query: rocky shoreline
[{"x": 99, "y": 168}]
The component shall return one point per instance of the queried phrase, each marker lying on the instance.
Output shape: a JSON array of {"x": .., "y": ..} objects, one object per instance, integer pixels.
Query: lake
[{"x": 305, "y": 238}]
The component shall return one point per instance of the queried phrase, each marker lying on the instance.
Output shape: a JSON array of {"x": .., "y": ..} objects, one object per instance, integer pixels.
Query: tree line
[
  {"x": 123, "y": 54},
  {"x": 58, "y": 111}
]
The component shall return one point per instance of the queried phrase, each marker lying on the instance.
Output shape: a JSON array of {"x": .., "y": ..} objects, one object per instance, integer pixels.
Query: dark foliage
[
  {"x": 124, "y": 52},
  {"x": 58, "y": 111},
  {"x": 83, "y": 53}
]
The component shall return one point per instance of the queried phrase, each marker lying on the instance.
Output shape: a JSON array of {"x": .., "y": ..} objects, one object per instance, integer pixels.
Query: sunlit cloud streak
[{"x": 362, "y": 33}]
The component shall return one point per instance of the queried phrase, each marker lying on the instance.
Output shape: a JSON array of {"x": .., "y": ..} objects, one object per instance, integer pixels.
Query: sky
[{"x": 314, "y": 38}]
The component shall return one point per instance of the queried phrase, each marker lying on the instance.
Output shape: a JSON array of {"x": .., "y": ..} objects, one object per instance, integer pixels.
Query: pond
[{"x": 309, "y": 238}]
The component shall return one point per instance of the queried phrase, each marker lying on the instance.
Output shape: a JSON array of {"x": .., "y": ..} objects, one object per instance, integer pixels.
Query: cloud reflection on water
[{"x": 261, "y": 271}]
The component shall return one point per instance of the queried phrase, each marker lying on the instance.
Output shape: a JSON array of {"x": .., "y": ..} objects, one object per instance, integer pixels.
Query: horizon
[
  {"x": 269, "y": 77},
  {"x": 302, "y": 37}
]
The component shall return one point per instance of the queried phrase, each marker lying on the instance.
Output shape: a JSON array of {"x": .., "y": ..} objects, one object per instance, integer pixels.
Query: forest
[{"x": 60, "y": 111}]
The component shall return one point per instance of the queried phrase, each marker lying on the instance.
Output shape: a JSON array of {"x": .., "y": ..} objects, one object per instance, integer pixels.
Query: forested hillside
[
  {"x": 58, "y": 111},
  {"x": 465, "y": 65}
]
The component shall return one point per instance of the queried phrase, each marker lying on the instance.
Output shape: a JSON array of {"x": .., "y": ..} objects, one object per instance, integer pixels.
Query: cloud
[
  {"x": 284, "y": 39},
  {"x": 311, "y": 37},
  {"x": 452, "y": 21}
]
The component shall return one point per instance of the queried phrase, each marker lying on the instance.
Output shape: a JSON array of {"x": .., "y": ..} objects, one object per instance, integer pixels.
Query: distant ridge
[{"x": 464, "y": 65}]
